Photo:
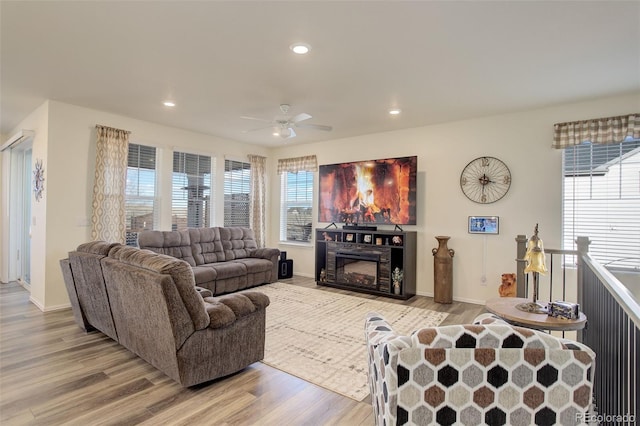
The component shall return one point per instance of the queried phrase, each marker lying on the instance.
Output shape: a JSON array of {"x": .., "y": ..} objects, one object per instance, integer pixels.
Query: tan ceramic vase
[{"x": 443, "y": 271}]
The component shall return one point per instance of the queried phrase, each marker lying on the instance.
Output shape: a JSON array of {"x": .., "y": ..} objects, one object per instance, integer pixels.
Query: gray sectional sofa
[
  {"x": 150, "y": 304},
  {"x": 224, "y": 260}
]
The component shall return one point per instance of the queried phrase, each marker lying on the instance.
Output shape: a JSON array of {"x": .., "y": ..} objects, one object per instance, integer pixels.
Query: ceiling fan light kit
[
  {"x": 283, "y": 125},
  {"x": 286, "y": 133}
]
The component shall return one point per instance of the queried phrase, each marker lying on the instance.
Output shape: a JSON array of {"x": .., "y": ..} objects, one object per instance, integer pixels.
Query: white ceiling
[{"x": 437, "y": 61}]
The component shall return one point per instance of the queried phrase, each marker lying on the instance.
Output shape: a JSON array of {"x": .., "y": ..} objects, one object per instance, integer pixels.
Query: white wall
[
  {"x": 38, "y": 121},
  {"x": 522, "y": 140},
  {"x": 63, "y": 216},
  {"x": 65, "y": 139}
]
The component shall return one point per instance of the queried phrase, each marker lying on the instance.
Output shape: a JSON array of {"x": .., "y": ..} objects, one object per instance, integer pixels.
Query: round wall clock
[
  {"x": 38, "y": 180},
  {"x": 485, "y": 180}
]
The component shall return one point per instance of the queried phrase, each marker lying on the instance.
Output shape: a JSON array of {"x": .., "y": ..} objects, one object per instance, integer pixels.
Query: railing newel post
[
  {"x": 521, "y": 251},
  {"x": 582, "y": 244}
]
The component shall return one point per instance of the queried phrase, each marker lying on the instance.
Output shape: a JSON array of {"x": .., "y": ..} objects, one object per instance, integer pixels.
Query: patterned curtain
[
  {"x": 308, "y": 163},
  {"x": 108, "y": 218},
  {"x": 597, "y": 130},
  {"x": 258, "y": 195}
]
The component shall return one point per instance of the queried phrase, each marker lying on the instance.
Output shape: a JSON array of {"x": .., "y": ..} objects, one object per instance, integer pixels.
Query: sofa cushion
[
  {"x": 225, "y": 270},
  {"x": 227, "y": 309},
  {"x": 254, "y": 265},
  {"x": 204, "y": 275},
  {"x": 172, "y": 243},
  {"x": 206, "y": 245}
]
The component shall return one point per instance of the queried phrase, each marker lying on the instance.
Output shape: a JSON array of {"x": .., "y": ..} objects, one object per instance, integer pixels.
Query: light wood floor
[{"x": 52, "y": 373}]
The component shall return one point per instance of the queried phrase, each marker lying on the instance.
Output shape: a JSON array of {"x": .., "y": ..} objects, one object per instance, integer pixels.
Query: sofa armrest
[
  {"x": 224, "y": 311},
  {"x": 204, "y": 292},
  {"x": 271, "y": 254},
  {"x": 378, "y": 331}
]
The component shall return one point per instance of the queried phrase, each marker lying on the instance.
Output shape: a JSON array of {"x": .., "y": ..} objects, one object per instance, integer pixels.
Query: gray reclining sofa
[
  {"x": 149, "y": 303},
  {"x": 223, "y": 260}
]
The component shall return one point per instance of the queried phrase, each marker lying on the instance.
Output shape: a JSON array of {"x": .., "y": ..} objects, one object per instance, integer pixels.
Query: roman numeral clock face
[{"x": 485, "y": 180}]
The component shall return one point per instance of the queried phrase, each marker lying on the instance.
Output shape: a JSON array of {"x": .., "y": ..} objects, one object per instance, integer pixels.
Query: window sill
[{"x": 307, "y": 244}]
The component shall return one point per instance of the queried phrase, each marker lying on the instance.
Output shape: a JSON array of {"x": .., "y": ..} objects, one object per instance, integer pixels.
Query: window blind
[
  {"x": 296, "y": 205},
  {"x": 602, "y": 201},
  {"x": 237, "y": 193},
  {"x": 191, "y": 191},
  {"x": 140, "y": 191}
]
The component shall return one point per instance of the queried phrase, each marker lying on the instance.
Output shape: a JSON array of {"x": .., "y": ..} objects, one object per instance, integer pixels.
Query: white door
[{"x": 20, "y": 196}]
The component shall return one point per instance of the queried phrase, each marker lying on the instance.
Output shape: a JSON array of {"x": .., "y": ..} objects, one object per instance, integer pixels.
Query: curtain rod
[
  {"x": 113, "y": 128},
  {"x": 596, "y": 119}
]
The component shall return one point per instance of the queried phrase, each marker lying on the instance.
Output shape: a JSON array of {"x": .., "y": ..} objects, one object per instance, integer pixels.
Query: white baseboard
[
  {"x": 304, "y": 275},
  {"x": 50, "y": 308},
  {"x": 457, "y": 299},
  {"x": 37, "y": 303}
]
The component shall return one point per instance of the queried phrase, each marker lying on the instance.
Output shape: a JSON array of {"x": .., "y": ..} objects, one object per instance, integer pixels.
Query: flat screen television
[{"x": 375, "y": 191}]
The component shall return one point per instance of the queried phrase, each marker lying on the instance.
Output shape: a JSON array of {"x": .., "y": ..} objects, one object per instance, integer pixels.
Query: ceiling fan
[{"x": 283, "y": 126}]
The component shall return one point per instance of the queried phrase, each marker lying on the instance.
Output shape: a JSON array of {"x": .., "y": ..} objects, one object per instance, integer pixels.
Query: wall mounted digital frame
[{"x": 484, "y": 225}]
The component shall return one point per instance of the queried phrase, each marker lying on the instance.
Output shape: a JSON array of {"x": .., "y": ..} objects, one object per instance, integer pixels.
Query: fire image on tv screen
[{"x": 376, "y": 191}]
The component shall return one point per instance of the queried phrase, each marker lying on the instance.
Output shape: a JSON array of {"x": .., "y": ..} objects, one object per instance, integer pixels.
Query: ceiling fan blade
[
  {"x": 315, "y": 126},
  {"x": 300, "y": 117},
  {"x": 254, "y": 130},
  {"x": 293, "y": 133},
  {"x": 244, "y": 117}
]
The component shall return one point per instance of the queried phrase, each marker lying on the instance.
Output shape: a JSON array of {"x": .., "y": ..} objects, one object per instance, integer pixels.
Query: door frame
[{"x": 15, "y": 182}]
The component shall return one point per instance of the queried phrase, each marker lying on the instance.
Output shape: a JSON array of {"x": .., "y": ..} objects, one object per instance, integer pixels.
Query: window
[
  {"x": 296, "y": 206},
  {"x": 237, "y": 192},
  {"x": 140, "y": 192},
  {"x": 602, "y": 201},
  {"x": 191, "y": 191}
]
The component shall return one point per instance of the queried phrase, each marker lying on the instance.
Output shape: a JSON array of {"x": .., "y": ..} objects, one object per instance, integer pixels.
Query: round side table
[{"x": 505, "y": 308}]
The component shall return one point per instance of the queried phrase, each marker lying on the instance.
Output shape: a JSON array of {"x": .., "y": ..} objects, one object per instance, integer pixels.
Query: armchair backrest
[
  {"x": 474, "y": 374},
  {"x": 178, "y": 270}
]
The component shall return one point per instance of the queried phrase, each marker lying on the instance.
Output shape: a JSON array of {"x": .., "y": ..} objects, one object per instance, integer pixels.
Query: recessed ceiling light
[
  {"x": 395, "y": 111},
  {"x": 300, "y": 48},
  {"x": 169, "y": 103}
]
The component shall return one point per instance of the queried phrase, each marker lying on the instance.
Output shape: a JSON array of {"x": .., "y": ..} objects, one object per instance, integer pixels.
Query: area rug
[{"x": 319, "y": 336}]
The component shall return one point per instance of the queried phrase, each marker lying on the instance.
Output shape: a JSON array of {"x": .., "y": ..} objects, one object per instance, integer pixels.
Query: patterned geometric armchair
[{"x": 488, "y": 372}]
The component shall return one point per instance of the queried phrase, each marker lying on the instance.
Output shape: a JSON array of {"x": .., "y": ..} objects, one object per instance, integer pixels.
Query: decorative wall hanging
[{"x": 38, "y": 180}]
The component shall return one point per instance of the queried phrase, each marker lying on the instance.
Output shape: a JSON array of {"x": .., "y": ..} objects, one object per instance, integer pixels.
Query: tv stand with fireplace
[{"x": 365, "y": 260}]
